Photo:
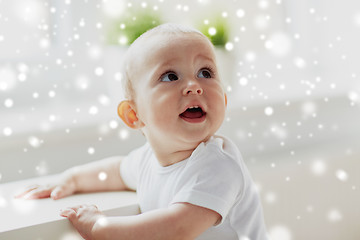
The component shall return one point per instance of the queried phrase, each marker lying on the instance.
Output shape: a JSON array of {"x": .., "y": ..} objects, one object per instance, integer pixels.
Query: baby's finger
[
  {"x": 68, "y": 213},
  {"x": 42, "y": 192},
  {"x": 76, "y": 208},
  {"x": 60, "y": 192},
  {"x": 86, "y": 208},
  {"x": 26, "y": 191}
]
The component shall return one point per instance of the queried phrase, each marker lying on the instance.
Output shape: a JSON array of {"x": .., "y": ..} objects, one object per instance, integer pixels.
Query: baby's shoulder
[
  {"x": 221, "y": 147},
  {"x": 218, "y": 153}
]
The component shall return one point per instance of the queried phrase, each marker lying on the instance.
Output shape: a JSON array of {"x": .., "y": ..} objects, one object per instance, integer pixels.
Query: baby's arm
[
  {"x": 179, "y": 221},
  {"x": 103, "y": 175}
]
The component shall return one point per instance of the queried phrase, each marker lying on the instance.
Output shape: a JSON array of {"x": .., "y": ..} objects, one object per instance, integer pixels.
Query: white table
[{"x": 40, "y": 219}]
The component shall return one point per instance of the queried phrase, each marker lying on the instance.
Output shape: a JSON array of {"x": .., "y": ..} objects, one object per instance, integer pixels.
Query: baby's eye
[
  {"x": 169, "y": 77},
  {"x": 204, "y": 73}
]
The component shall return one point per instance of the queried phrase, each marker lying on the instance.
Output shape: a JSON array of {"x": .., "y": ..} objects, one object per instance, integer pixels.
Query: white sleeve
[
  {"x": 214, "y": 181},
  {"x": 130, "y": 166}
]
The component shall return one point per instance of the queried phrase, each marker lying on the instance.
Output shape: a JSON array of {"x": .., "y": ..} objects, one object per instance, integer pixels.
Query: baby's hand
[
  {"x": 83, "y": 218},
  {"x": 61, "y": 189}
]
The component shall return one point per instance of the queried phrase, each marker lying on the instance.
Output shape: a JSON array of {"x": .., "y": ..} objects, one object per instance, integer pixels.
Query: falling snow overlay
[{"x": 290, "y": 70}]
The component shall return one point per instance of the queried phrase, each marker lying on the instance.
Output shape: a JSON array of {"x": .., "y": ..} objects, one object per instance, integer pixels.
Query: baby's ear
[{"x": 127, "y": 113}]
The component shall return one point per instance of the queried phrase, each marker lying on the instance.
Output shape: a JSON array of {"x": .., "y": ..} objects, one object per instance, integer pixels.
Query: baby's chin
[{"x": 198, "y": 136}]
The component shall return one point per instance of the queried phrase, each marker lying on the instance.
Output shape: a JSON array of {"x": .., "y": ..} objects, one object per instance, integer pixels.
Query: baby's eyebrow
[
  {"x": 160, "y": 68},
  {"x": 166, "y": 66},
  {"x": 206, "y": 57}
]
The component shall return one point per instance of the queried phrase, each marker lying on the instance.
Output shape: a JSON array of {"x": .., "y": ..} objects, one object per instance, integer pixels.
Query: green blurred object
[
  {"x": 217, "y": 30},
  {"x": 125, "y": 29}
]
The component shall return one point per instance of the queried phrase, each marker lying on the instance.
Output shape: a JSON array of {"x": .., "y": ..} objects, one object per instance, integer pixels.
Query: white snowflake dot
[
  {"x": 269, "y": 111},
  {"x": 44, "y": 43},
  {"x": 52, "y": 118},
  {"x": 35, "y": 95},
  {"x": 300, "y": 62},
  {"x": 123, "y": 40},
  {"x": 103, "y": 221},
  {"x": 82, "y": 82},
  {"x": 91, "y": 150},
  {"x": 309, "y": 208},
  {"x": 34, "y": 142},
  {"x": 93, "y": 110},
  {"x": 318, "y": 167},
  {"x": 82, "y": 23},
  {"x": 240, "y": 13},
  {"x": 334, "y": 215},
  {"x": 250, "y": 56},
  {"x": 342, "y": 175},
  {"x": 280, "y": 232},
  {"x": 212, "y": 31},
  {"x": 7, "y": 131},
  {"x": 102, "y": 176},
  {"x": 243, "y": 81},
  {"x": 104, "y": 100},
  {"x": 3, "y": 202},
  {"x": 8, "y": 103},
  {"x": 357, "y": 19},
  {"x": 99, "y": 71},
  {"x": 118, "y": 76},
  {"x": 52, "y": 94},
  {"x": 263, "y": 4},
  {"x": 353, "y": 96},
  {"x": 113, "y": 124},
  {"x": 123, "y": 134},
  {"x": 270, "y": 197},
  {"x": 229, "y": 46}
]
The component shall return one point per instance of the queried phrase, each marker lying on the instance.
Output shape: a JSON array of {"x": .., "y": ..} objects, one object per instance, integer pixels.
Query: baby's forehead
[{"x": 155, "y": 42}]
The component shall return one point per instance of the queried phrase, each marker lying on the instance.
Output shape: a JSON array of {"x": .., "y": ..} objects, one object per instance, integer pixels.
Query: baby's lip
[
  {"x": 193, "y": 105},
  {"x": 193, "y": 114}
]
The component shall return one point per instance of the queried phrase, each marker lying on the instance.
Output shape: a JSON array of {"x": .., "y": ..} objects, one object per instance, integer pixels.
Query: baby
[{"x": 191, "y": 183}]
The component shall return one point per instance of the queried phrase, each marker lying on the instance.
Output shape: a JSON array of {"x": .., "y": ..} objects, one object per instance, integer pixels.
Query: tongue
[{"x": 192, "y": 113}]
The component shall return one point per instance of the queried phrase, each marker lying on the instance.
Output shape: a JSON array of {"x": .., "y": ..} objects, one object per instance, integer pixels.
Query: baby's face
[{"x": 179, "y": 96}]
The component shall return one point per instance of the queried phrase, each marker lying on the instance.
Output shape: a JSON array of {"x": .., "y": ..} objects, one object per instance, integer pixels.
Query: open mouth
[{"x": 193, "y": 114}]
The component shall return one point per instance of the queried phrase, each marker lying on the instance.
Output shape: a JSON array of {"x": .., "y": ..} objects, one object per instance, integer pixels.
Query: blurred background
[{"x": 290, "y": 68}]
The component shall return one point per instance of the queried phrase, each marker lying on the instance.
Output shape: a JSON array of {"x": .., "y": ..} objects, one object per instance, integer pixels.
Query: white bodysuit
[{"x": 214, "y": 177}]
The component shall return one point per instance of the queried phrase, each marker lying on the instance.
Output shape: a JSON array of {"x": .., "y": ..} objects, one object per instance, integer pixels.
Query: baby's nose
[{"x": 193, "y": 87}]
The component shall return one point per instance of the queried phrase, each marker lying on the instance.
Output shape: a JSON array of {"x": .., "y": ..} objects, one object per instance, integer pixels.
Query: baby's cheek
[{"x": 162, "y": 122}]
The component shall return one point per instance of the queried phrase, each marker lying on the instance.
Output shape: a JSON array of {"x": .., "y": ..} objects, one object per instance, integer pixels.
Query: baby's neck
[
  {"x": 169, "y": 154},
  {"x": 171, "y": 151},
  {"x": 168, "y": 159}
]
